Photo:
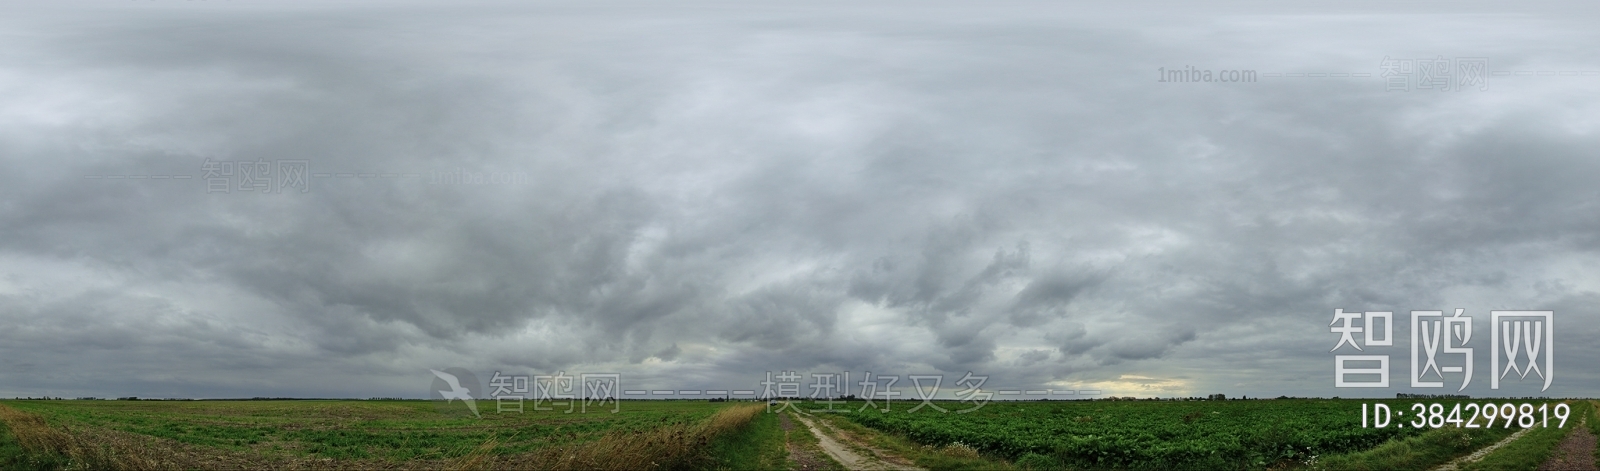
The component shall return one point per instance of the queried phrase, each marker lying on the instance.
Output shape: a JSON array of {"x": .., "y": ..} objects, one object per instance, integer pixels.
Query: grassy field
[
  {"x": 1528, "y": 452},
  {"x": 370, "y": 434},
  {"x": 1260, "y": 434}
]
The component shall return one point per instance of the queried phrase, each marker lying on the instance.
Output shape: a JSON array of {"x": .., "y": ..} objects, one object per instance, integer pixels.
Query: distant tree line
[
  {"x": 1431, "y": 396},
  {"x": 1210, "y": 397}
]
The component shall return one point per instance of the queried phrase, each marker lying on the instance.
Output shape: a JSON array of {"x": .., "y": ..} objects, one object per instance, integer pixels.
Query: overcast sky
[{"x": 693, "y": 194}]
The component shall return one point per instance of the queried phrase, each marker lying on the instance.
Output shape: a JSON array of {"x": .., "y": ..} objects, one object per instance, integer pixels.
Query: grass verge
[
  {"x": 1426, "y": 451},
  {"x": 758, "y": 445},
  {"x": 1594, "y": 424},
  {"x": 1530, "y": 451}
]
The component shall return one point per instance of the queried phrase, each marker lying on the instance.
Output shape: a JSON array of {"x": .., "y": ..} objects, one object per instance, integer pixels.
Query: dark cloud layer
[{"x": 696, "y": 194}]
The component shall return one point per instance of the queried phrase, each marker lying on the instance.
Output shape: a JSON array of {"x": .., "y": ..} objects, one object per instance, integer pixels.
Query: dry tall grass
[
  {"x": 679, "y": 446},
  {"x": 37, "y": 436}
]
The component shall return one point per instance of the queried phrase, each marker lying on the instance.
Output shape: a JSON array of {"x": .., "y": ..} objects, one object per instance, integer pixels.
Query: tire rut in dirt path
[
  {"x": 847, "y": 456},
  {"x": 805, "y": 459},
  {"x": 1575, "y": 453}
]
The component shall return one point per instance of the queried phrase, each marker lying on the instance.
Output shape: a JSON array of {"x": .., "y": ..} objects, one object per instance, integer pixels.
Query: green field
[
  {"x": 1255, "y": 434},
  {"x": 363, "y": 434},
  {"x": 397, "y": 430}
]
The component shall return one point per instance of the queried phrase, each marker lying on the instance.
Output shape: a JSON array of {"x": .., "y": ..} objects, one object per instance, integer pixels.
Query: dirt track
[
  {"x": 844, "y": 454},
  {"x": 1478, "y": 455},
  {"x": 1575, "y": 453},
  {"x": 804, "y": 458}
]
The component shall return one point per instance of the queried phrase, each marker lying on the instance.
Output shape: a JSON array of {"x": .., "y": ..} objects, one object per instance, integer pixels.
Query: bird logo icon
[{"x": 452, "y": 378}]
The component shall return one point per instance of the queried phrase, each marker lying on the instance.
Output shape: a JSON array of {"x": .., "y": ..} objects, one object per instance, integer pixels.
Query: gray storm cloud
[{"x": 704, "y": 194}]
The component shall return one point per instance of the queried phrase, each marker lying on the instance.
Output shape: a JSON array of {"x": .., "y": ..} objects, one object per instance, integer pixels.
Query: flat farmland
[
  {"x": 1309, "y": 434},
  {"x": 367, "y": 434},
  {"x": 1247, "y": 434}
]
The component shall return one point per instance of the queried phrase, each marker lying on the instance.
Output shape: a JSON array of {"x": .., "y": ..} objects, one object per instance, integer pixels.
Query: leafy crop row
[{"x": 1150, "y": 435}]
